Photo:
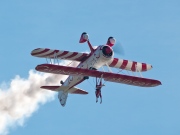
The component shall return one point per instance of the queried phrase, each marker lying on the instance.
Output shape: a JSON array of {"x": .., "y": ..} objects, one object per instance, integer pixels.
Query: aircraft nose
[{"x": 107, "y": 51}]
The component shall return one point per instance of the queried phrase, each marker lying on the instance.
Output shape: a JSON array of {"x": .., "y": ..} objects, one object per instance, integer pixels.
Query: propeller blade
[{"x": 118, "y": 48}]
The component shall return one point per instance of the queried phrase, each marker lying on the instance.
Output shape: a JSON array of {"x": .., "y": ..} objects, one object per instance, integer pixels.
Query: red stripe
[
  {"x": 133, "y": 68},
  {"x": 72, "y": 55},
  {"x": 115, "y": 61},
  {"x": 81, "y": 57},
  {"x": 64, "y": 53},
  {"x": 124, "y": 64},
  {"x": 55, "y": 51},
  {"x": 144, "y": 67},
  {"x": 45, "y": 50}
]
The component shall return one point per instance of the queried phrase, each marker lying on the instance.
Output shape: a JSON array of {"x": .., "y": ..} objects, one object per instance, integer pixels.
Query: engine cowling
[
  {"x": 104, "y": 54},
  {"x": 84, "y": 37},
  {"x": 107, "y": 51},
  {"x": 101, "y": 56}
]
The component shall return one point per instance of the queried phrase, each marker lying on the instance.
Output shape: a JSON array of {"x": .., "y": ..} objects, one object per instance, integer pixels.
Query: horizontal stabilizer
[
  {"x": 55, "y": 88},
  {"x": 73, "y": 90},
  {"x": 78, "y": 91}
]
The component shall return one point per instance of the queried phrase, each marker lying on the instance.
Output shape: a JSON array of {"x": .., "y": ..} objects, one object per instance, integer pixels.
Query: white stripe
[
  {"x": 39, "y": 50},
  {"x": 42, "y": 54},
  {"x": 66, "y": 55},
  {"x": 119, "y": 63},
  {"x": 139, "y": 66},
  {"x": 148, "y": 66},
  {"x": 52, "y": 56},
  {"x": 129, "y": 65}
]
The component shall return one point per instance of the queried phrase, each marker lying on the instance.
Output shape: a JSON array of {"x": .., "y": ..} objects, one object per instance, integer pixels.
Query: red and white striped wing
[
  {"x": 113, "y": 77},
  {"x": 49, "y": 53},
  {"x": 129, "y": 65}
]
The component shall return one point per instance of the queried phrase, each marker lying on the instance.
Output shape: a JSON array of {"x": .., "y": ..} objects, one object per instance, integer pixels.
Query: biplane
[{"x": 89, "y": 63}]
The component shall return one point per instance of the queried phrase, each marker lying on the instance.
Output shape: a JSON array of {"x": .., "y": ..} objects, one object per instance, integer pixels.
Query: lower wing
[{"x": 112, "y": 77}]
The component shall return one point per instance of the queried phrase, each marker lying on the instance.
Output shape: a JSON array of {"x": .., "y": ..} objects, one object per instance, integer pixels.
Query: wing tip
[
  {"x": 35, "y": 51},
  {"x": 78, "y": 91},
  {"x": 53, "y": 88}
]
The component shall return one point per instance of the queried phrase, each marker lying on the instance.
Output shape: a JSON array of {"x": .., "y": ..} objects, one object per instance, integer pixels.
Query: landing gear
[
  {"x": 61, "y": 82},
  {"x": 92, "y": 68},
  {"x": 86, "y": 77}
]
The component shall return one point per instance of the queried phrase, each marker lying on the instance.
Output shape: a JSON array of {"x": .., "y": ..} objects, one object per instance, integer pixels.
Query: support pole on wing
[
  {"x": 137, "y": 70},
  {"x": 56, "y": 58},
  {"x": 50, "y": 61},
  {"x": 46, "y": 60},
  {"x": 90, "y": 46},
  {"x": 85, "y": 38}
]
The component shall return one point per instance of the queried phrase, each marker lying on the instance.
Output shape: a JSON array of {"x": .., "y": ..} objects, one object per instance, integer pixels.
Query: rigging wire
[{"x": 90, "y": 84}]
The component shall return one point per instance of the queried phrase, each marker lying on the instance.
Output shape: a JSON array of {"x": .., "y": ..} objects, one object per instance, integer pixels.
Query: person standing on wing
[{"x": 98, "y": 90}]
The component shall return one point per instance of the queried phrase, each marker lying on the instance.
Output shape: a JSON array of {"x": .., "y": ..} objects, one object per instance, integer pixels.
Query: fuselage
[{"x": 96, "y": 59}]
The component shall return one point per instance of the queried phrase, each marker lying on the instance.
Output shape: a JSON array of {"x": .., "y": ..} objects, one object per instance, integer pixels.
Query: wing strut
[
  {"x": 109, "y": 68},
  {"x": 137, "y": 70},
  {"x": 52, "y": 61}
]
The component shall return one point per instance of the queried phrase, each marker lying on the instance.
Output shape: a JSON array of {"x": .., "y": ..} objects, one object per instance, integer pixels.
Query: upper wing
[
  {"x": 113, "y": 77},
  {"x": 49, "y": 53},
  {"x": 129, "y": 65}
]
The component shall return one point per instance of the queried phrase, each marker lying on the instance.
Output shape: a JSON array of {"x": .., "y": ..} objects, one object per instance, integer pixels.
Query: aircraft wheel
[
  {"x": 86, "y": 77},
  {"x": 61, "y": 82}
]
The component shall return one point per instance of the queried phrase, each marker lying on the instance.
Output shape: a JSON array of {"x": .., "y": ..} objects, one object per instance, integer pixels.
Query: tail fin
[
  {"x": 63, "y": 92},
  {"x": 62, "y": 95},
  {"x": 111, "y": 41},
  {"x": 85, "y": 38}
]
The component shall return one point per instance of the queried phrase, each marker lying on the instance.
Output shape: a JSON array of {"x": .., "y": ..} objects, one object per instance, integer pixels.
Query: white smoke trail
[{"x": 23, "y": 96}]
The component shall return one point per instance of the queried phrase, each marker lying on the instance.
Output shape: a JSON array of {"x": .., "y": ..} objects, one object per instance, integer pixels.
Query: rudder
[{"x": 62, "y": 95}]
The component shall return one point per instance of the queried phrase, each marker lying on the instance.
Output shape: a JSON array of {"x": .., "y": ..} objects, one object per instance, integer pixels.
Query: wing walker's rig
[{"x": 89, "y": 63}]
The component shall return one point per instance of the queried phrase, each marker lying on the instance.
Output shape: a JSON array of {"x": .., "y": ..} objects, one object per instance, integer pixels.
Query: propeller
[
  {"x": 117, "y": 46},
  {"x": 118, "y": 49}
]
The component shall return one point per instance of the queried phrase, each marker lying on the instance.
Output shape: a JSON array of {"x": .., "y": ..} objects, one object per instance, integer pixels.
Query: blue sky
[{"x": 149, "y": 32}]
